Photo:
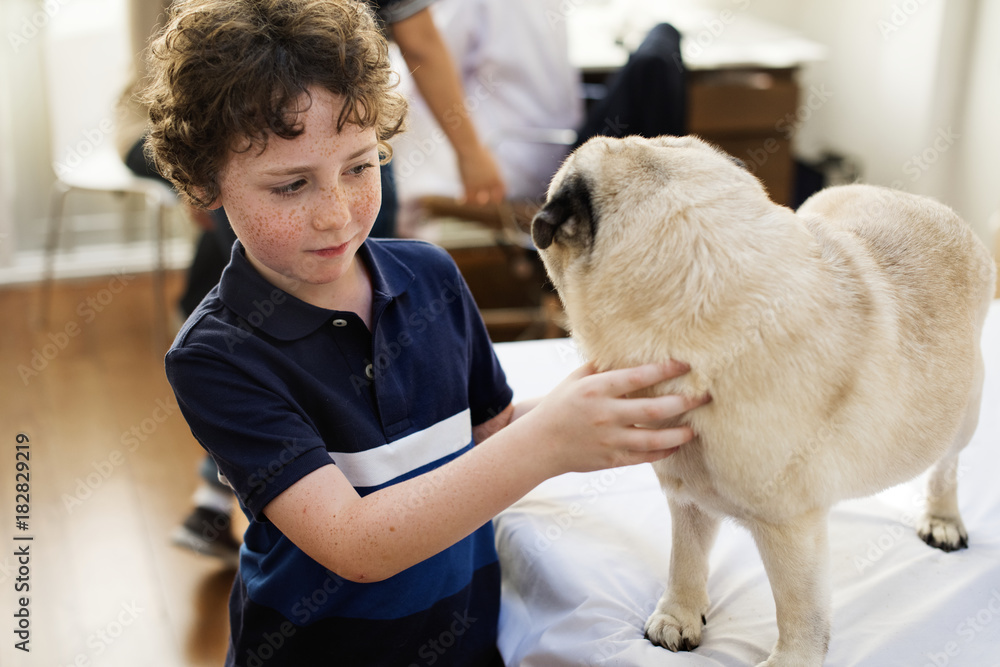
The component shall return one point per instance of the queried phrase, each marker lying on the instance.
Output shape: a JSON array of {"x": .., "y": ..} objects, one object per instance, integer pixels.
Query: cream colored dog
[{"x": 840, "y": 344}]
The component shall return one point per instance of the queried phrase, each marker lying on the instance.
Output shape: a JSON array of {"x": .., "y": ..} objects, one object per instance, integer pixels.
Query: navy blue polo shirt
[{"x": 274, "y": 388}]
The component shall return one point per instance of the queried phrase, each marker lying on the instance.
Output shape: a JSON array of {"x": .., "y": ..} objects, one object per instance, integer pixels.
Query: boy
[{"x": 346, "y": 387}]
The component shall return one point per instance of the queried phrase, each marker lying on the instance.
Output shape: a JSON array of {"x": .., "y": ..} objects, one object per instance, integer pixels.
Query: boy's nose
[{"x": 332, "y": 211}]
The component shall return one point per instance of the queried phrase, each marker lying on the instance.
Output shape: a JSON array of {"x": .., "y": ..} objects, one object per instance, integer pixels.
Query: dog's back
[
  {"x": 928, "y": 255},
  {"x": 919, "y": 283},
  {"x": 865, "y": 377}
]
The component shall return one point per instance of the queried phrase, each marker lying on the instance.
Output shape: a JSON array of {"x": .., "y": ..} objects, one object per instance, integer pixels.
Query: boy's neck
[
  {"x": 359, "y": 299},
  {"x": 352, "y": 292}
]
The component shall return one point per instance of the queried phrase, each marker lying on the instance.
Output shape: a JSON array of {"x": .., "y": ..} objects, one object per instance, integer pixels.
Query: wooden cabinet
[
  {"x": 748, "y": 112},
  {"x": 751, "y": 114}
]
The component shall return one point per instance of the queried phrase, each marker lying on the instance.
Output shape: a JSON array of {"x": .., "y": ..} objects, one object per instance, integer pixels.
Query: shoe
[{"x": 209, "y": 533}]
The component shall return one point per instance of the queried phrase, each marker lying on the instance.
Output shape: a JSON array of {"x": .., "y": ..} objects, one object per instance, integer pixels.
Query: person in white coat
[{"x": 521, "y": 90}]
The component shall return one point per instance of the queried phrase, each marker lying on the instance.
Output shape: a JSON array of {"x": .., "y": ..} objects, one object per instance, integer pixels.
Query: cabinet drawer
[
  {"x": 745, "y": 101},
  {"x": 768, "y": 158}
]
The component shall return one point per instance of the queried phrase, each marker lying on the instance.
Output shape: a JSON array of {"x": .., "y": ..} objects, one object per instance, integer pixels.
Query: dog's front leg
[
  {"x": 796, "y": 556},
  {"x": 676, "y": 623}
]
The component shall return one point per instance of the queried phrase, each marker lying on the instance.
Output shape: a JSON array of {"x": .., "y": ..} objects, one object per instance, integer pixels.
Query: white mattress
[{"x": 585, "y": 556}]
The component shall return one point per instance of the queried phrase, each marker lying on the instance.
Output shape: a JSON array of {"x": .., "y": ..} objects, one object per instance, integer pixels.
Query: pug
[{"x": 839, "y": 343}]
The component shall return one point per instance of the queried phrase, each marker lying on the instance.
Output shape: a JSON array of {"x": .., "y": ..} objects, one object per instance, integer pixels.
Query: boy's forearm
[
  {"x": 522, "y": 408},
  {"x": 372, "y": 538},
  {"x": 438, "y": 509},
  {"x": 585, "y": 424},
  {"x": 470, "y": 491}
]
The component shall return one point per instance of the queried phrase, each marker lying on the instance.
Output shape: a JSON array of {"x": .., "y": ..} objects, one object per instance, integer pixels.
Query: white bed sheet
[{"x": 585, "y": 558}]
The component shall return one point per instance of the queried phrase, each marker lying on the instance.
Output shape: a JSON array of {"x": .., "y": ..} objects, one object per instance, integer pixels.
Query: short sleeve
[
  {"x": 261, "y": 442},
  {"x": 489, "y": 392},
  {"x": 391, "y": 11}
]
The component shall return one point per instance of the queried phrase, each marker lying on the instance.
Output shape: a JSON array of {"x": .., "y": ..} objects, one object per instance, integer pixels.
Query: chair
[
  {"x": 85, "y": 72},
  {"x": 995, "y": 229},
  {"x": 646, "y": 97},
  {"x": 517, "y": 302},
  {"x": 102, "y": 171}
]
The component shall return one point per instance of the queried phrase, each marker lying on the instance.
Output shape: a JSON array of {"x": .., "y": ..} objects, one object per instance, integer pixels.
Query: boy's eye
[
  {"x": 360, "y": 169},
  {"x": 290, "y": 189}
]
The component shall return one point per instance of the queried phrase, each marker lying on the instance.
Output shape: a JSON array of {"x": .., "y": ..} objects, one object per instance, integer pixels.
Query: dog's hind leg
[
  {"x": 941, "y": 526},
  {"x": 676, "y": 623},
  {"x": 796, "y": 557}
]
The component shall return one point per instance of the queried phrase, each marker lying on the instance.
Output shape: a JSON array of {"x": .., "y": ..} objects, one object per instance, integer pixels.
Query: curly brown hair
[{"x": 226, "y": 74}]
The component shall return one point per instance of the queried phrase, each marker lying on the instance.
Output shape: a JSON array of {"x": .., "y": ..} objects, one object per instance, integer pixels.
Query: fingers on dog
[
  {"x": 627, "y": 380},
  {"x": 649, "y": 412},
  {"x": 668, "y": 438},
  {"x": 647, "y": 445},
  {"x": 585, "y": 370}
]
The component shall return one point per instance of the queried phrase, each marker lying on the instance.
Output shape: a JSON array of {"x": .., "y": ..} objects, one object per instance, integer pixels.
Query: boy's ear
[{"x": 214, "y": 204}]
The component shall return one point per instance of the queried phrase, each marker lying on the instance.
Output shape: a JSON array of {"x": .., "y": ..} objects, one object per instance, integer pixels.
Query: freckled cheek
[
  {"x": 269, "y": 235},
  {"x": 253, "y": 231},
  {"x": 368, "y": 200}
]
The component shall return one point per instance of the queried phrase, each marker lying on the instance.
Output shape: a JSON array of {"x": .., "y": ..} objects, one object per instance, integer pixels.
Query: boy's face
[{"x": 304, "y": 206}]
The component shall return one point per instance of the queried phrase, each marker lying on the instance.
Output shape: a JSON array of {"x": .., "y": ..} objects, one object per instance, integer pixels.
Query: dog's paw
[
  {"x": 673, "y": 633},
  {"x": 944, "y": 534}
]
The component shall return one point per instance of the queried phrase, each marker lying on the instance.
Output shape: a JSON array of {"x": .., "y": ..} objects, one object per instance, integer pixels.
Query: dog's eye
[{"x": 738, "y": 162}]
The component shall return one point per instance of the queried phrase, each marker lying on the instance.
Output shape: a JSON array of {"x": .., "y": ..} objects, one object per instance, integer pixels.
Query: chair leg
[
  {"x": 159, "y": 281},
  {"x": 57, "y": 207}
]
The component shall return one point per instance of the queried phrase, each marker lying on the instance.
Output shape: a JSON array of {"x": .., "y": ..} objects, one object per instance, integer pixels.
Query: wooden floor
[{"x": 113, "y": 467}]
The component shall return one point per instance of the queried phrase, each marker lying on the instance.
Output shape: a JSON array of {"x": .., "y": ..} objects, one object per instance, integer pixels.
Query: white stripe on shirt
[{"x": 379, "y": 465}]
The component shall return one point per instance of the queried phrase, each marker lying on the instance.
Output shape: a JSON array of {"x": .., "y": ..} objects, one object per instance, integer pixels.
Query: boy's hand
[{"x": 587, "y": 423}]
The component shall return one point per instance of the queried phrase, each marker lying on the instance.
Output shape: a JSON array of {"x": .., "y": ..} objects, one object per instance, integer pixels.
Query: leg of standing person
[
  {"x": 208, "y": 528},
  {"x": 385, "y": 223}
]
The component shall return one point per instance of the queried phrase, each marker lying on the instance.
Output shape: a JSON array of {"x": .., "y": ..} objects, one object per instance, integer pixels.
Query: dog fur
[{"x": 840, "y": 345}]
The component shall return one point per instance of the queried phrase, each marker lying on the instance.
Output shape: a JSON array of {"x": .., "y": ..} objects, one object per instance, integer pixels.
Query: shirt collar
[{"x": 279, "y": 314}]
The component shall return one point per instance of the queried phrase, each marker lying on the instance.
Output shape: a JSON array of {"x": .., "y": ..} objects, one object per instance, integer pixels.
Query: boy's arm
[
  {"x": 491, "y": 426},
  {"x": 509, "y": 414},
  {"x": 584, "y": 424}
]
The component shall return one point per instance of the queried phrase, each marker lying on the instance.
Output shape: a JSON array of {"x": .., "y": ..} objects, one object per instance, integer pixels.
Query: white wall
[
  {"x": 7, "y": 239},
  {"x": 976, "y": 186},
  {"x": 88, "y": 61},
  {"x": 914, "y": 93},
  {"x": 24, "y": 138},
  {"x": 910, "y": 90},
  {"x": 64, "y": 66}
]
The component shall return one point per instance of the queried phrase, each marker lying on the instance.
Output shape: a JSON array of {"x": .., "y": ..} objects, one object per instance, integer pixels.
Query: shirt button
[
  {"x": 339, "y": 323},
  {"x": 370, "y": 371}
]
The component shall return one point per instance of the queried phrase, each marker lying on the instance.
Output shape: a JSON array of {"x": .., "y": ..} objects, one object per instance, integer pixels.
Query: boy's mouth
[{"x": 332, "y": 251}]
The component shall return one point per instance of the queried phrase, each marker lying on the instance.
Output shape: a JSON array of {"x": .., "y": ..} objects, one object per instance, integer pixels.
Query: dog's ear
[{"x": 567, "y": 214}]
